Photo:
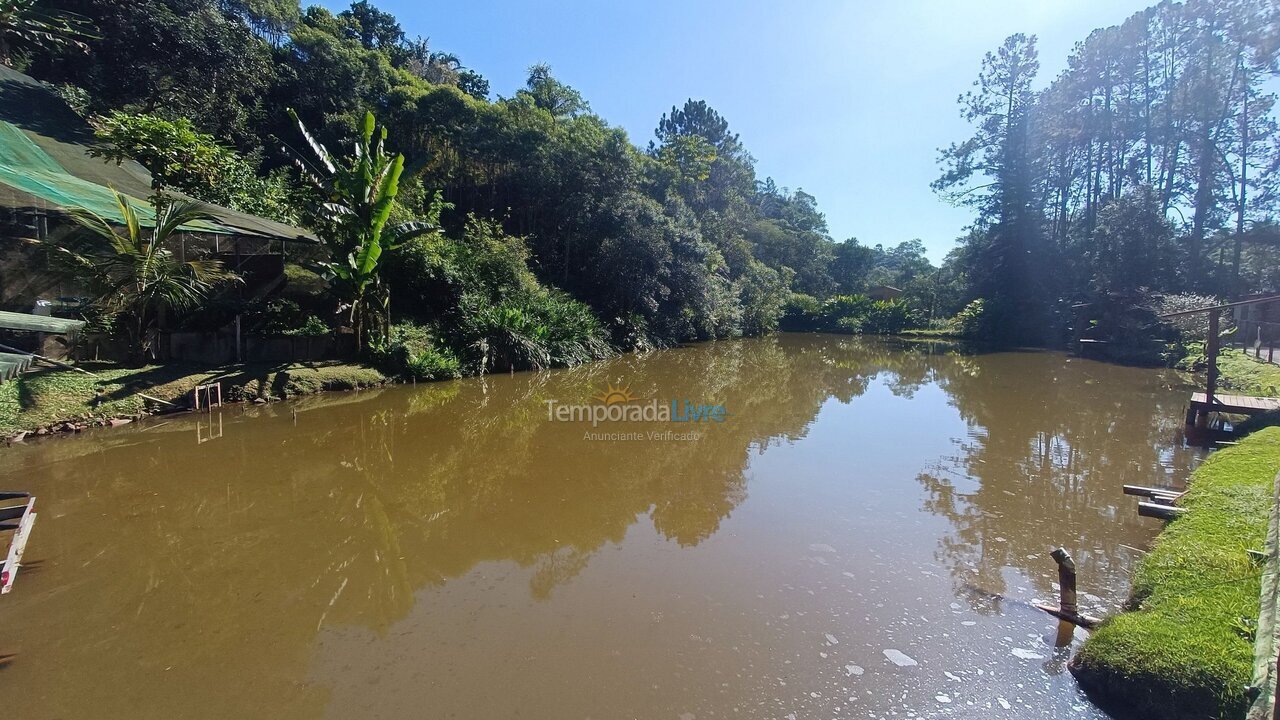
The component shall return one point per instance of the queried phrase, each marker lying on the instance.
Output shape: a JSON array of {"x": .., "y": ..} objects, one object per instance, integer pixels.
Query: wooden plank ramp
[{"x": 26, "y": 517}]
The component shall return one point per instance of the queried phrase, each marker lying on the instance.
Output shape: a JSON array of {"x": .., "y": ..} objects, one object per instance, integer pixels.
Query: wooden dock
[{"x": 1233, "y": 404}]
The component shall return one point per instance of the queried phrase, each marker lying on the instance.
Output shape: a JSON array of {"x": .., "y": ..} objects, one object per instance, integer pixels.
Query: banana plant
[
  {"x": 359, "y": 193},
  {"x": 29, "y": 24}
]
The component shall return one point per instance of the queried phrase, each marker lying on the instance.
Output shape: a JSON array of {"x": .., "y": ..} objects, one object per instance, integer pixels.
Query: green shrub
[
  {"x": 533, "y": 331},
  {"x": 850, "y": 308},
  {"x": 801, "y": 313},
  {"x": 412, "y": 353},
  {"x": 970, "y": 322},
  {"x": 887, "y": 317},
  {"x": 276, "y": 316},
  {"x": 311, "y": 327},
  {"x": 430, "y": 276},
  {"x": 853, "y": 314}
]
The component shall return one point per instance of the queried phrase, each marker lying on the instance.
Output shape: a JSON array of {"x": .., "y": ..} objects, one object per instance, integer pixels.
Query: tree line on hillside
[{"x": 1148, "y": 165}]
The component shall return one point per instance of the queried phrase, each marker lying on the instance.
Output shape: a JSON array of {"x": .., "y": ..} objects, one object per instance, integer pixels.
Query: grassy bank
[
  {"x": 1244, "y": 374},
  {"x": 48, "y": 398},
  {"x": 933, "y": 334},
  {"x": 1185, "y": 650},
  {"x": 1239, "y": 372}
]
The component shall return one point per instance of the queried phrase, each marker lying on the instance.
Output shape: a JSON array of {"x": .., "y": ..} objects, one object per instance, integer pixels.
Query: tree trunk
[{"x": 1237, "y": 247}]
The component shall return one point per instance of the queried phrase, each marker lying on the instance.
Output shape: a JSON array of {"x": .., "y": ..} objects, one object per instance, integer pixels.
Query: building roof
[
  {"x": 38, "y": 323},
  {"x": 13, "y": 364},
  {"x": 45, "y": 167}
]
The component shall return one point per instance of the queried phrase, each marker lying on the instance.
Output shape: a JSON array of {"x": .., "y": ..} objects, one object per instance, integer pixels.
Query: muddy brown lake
[{"x": 858, "y": 533}]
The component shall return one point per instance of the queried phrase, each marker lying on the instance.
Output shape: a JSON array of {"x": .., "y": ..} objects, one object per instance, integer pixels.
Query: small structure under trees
[
  {"x": 1210, "y": 401},
  {"x": 48, "y": 171}
]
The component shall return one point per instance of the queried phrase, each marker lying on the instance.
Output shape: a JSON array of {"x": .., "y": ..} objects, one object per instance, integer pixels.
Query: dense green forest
[{"x": 1148, "y": 166}]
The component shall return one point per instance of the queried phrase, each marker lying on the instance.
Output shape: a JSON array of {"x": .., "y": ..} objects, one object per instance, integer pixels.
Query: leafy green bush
[
  {"x": 853, "y": 314},
  {"x": 970, "y": 321},
  {"x": 536, "y": 330},
  {"x": 412, "y": 353},
  {"x": 311, "y": 327},
  {"x": 274, "y": 316},
  {"x": 801, "y": 313},
  {"x": 430, "y": 276},
  {"x": 485, "y": 303},
  {"x": 886, "y": 317},
  {"x": 763, "y": 293},
  {"x": 1193, "y": 327}
]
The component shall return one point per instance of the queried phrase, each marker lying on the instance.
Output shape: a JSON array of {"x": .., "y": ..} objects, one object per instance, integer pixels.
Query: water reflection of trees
[
  {"x": 1043, "y": 465},
  {"x": 225, "y": 559}
]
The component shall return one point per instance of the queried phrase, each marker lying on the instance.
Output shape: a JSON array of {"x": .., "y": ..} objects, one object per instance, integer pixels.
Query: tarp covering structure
[
  {"x": 38, "y": 323},
  {"x": 11, "y": 364},
  {"x": 46, "y": 168},
  {"x": 27, "y": 169}
]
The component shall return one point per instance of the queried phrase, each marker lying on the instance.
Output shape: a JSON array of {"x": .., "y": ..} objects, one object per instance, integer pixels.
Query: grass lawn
[
  {"x": 1239, "y": 372},
  {"x": 1187, "y": 648},
  {"x": 47, "y": 396},
  {"x": 1246, "y": 375}
]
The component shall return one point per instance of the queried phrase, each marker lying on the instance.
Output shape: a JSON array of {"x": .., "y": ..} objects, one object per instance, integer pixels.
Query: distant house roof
[
  {"x": 45, "y": 166},
  {"x": 876, "y": 292}
]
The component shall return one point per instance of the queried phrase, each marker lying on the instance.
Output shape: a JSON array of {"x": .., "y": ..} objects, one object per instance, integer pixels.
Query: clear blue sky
[{"x": 848, "y": 100}]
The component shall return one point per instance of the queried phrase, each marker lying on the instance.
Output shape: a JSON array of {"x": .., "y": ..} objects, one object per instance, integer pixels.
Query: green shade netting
[
  {"x": 24, "y": 166},
  {"x": 51, "y": 169}
]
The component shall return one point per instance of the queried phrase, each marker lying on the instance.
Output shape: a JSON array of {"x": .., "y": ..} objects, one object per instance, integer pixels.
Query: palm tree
[
  {"x": 360, "y": 191},
  {"x": 26, "y": 24},
  {"x": 133, "y": 277}
]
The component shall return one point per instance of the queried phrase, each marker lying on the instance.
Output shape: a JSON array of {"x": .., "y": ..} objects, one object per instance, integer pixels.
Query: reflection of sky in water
[{"x": 862, "y": 538}]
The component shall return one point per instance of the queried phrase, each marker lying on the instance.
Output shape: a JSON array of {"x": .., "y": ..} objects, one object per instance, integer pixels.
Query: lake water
[{"x": 860, "y": 536}]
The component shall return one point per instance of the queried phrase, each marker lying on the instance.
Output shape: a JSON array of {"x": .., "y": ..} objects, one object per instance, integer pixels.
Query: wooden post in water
[
  {"x": 1066, "y": 582},
  {"x": 1067, "y": 609},
  {"x": 1211, "y": 387}
]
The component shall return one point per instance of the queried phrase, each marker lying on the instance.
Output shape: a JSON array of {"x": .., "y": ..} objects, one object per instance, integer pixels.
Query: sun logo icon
[{"x": 613, "y": 395}]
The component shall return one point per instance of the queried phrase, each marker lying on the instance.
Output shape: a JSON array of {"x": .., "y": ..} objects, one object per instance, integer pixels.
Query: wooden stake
[
  {"x": 1066, "y": 581},
  {"x": 1067, "y": 607}
]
